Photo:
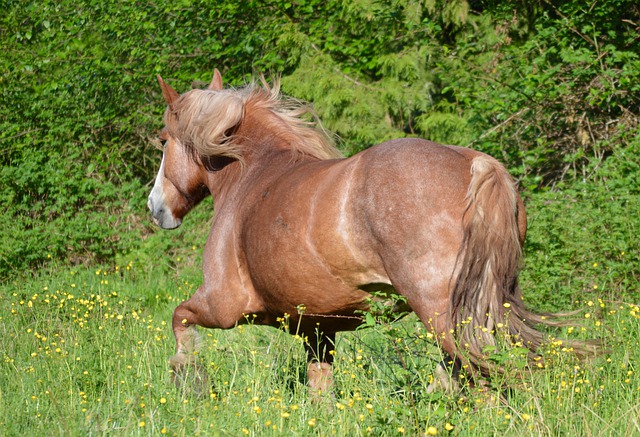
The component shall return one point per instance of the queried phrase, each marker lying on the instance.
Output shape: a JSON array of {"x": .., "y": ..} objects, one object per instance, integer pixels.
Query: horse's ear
[
  {"x": 216, "y": 82},
  {"x": 170, "y": 95}
]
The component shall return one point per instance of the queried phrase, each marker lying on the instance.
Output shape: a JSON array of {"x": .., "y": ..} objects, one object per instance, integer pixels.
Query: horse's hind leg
[
  {"x": 427, "y": 289},
  {"x": 447, "y": 372},
  {"x": 320, "y": 348}
]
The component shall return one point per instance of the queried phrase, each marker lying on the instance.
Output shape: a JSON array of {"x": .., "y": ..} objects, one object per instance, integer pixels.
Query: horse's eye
[{"x": 159, "y": 143}]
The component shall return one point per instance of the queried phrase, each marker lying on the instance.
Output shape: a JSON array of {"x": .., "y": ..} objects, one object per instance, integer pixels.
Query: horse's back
[{"x": 416, "y": 164}]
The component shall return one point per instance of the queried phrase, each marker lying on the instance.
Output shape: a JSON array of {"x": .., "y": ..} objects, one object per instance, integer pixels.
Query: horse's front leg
[
  {"x": 320, "y": 349},
  {"x": 226, "y": 311},
  {"x": 209, "y": 308},
  {"x": 187, "y": 373}
]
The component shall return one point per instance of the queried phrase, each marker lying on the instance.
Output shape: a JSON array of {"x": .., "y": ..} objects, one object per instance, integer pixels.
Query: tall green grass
[{"x": 85, "y": 352}]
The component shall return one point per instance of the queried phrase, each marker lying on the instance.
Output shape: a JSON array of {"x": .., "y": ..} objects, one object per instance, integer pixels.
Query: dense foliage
[{"x": 552, "y": 88}]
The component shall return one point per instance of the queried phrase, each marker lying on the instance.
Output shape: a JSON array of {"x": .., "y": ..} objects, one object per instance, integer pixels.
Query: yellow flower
[
  {"x": 163, "y": 400},
  {"x": 432, "y": 430},
  {"x": 448, "y": 426},
  {"x": 312, "y": 422}
]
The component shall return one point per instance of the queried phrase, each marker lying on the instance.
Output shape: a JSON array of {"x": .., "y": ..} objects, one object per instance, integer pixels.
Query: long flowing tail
[{"x": 486, "y": 304}]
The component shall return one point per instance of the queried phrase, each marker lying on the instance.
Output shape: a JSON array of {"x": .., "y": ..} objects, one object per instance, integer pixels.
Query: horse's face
[{"x": 179, "y": 185}]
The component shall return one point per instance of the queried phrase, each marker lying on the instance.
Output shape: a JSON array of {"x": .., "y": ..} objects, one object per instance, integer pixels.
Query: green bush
[
  {"x": 550, "y": 88},
  {"x": 582, "y": 242}
]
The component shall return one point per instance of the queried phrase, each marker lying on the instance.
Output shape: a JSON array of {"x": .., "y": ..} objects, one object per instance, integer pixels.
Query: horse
[{"x": 300, "y": 231}]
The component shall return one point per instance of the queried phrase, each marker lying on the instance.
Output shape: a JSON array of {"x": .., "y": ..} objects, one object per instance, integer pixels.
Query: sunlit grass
[{"x": 85, "y": 352}]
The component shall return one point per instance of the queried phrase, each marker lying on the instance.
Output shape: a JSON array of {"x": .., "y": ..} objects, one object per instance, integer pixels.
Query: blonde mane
[{"x": 208, "y": 121}]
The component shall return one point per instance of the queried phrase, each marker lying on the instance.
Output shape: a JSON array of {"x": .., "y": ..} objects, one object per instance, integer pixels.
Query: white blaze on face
[{"x": 162, "y": 215}]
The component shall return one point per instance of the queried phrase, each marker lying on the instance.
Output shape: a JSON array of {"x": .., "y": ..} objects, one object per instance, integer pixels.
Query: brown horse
[{"x": 300, "y": 231}]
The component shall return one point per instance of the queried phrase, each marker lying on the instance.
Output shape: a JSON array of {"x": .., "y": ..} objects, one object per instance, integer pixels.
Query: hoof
[
  {"x": 320, "y": 376},
  {"x": 189, "y": 376},
  {"x": 320, "y": 381},
  {"x": 442, "y": 381}
]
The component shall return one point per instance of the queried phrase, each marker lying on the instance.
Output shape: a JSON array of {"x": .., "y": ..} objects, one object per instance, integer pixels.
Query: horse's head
[{"x": 180, "y": 183}]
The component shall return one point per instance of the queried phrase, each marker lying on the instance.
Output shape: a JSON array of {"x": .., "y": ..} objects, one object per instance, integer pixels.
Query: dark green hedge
[{"x": 551, "y": 88}]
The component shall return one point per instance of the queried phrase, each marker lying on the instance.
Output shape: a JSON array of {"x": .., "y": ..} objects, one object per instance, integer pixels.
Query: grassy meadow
[{"x": 85, "y": 351}]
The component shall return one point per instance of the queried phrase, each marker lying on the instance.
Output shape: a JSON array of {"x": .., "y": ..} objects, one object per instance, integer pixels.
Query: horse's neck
[
  {"x": 219, "y": 182},
  {"x": 262, "y": 133},
  {"x": 267, "y": 154},
  {"x": 239, "y": 182}
]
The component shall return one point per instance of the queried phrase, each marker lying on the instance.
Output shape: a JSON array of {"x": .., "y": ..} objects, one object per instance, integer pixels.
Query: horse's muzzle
[{"x": 162, "y": 216}]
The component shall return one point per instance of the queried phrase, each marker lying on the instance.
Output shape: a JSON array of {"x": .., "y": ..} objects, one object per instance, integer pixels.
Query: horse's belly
[{"x": 293, "y": 277}]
